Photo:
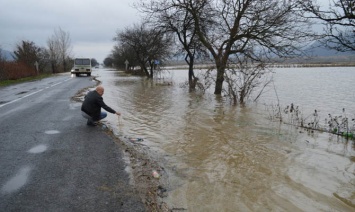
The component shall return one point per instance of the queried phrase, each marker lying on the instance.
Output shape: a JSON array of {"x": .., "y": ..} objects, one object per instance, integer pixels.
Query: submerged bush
[{"x": 340, "y": 125}]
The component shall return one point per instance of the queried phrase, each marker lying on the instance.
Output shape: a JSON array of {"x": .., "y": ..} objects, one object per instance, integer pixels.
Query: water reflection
[{"x": 223, "y": 158}]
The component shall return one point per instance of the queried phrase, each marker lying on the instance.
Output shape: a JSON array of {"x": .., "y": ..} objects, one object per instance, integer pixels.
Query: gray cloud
[{"x": 91, "y": 23}]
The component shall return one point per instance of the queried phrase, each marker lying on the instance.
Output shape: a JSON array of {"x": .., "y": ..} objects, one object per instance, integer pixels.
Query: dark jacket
[{"x": 92, "y": 105}]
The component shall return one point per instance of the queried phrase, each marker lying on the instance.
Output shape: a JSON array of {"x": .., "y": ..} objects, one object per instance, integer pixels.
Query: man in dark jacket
[{"x": 91, "y": 107}]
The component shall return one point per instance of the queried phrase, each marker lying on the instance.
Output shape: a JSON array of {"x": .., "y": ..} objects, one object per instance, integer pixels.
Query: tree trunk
[
  {"x": 151, "y": 70},
  {"x": 64, "y": 65},
  {"x": 145, "y": 71},
  {"x": 151, "y": 73},
  {"x": 192, "y": 78},
  {"x": 53, "y": 67},
  {"x": 219, "y": 80}
]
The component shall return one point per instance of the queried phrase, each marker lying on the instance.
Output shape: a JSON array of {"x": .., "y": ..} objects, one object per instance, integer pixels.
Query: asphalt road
[{"x": 50, "y": 160}]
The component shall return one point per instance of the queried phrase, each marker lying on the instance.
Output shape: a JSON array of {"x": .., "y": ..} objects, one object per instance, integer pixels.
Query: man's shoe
[{"x": 91, "y": 123}]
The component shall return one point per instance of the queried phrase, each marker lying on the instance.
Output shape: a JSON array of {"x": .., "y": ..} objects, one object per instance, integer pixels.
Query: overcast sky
[{"x": 91, "y": 24}]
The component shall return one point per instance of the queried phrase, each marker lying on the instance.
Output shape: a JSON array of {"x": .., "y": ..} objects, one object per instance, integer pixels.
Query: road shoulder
[{"x": 139, "y": 165}]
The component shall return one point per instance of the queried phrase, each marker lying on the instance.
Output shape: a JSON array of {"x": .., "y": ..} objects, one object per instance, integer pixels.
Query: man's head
[{"x": 100, "y": 90}]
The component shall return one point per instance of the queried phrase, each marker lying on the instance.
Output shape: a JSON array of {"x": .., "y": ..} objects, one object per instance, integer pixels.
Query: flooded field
[{"x": 219, "y": 157}]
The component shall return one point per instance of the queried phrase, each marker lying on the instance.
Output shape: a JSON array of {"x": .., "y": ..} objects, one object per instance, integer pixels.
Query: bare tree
[
  {"x": 43, "y": 63},
  {"x": 245, "y": 78},
  {"x": 64, "y": 46},
  {"x": 338, "y": 21},
  {"x": 60, "y": 48},
  {"x": 149, "y": 45},
  {"x": 108, "y": 61},
  {"x": 53, "y": 50},
  {"x": 252, "y": 29},
  {"x": 123, "y": 53},
  {"x": 169, "y": 16},
  {"x": 94, "y": 62}
]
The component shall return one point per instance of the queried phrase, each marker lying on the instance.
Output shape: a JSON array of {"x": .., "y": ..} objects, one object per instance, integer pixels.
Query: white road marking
[
  {"x": 52, "y": 132},
  {"x": 38, "y": 149},
  {"x": 34, "y": 93},
  {"x": 17, "y": 181}
]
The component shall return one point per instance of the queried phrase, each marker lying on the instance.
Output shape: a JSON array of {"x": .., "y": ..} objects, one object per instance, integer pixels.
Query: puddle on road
[
  {"x": 38, "y": 149},
  {"x": 3, "y": 102},
  {"x": 67, "y": 118},
  {"x": 74, "y": 106},
  {"x": 17, "y": 181},
  {"x": 23, "y": 92}
]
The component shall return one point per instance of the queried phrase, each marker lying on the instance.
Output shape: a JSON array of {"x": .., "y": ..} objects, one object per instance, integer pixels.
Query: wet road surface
[{"x": 50, "y": 160}]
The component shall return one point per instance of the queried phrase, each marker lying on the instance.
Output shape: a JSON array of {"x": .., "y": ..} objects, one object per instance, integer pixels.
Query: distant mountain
[
  {"x": 317, "y": 49},
  {"x": 7, "y": 55}
]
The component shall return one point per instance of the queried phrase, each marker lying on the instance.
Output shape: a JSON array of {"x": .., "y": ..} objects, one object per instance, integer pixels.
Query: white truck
[{"x": 82, "y": 66}]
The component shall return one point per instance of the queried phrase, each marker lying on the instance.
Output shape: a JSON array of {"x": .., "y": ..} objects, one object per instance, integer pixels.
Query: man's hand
[{"x": 118, "y": 113}]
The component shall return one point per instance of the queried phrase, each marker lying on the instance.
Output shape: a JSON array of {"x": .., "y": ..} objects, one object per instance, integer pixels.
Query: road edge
[{"x": 147, "y": 175}]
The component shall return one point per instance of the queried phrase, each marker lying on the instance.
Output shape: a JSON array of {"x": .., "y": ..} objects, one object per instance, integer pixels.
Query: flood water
[{"x": 219, "y": 157}]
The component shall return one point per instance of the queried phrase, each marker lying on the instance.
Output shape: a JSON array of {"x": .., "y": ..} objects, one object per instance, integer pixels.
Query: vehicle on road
[{"x": 82, "y": 66}]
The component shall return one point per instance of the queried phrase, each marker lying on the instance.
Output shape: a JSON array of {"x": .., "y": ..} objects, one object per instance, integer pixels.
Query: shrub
[{"x": 15, "y": 70}]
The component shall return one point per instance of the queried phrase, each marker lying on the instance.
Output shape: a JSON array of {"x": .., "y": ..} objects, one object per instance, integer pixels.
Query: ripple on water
[{"x": 246, "y": 162}]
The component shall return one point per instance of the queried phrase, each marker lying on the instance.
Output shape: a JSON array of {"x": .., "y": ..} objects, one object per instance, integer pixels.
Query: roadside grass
[{"x": 4, "y": 83}]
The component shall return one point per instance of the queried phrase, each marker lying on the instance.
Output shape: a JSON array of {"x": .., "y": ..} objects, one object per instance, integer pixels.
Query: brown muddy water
[{"x": 218, "y": 157}]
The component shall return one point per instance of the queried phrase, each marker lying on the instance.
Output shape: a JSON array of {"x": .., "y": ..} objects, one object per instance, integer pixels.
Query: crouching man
[{"x": 91, "y": 107}]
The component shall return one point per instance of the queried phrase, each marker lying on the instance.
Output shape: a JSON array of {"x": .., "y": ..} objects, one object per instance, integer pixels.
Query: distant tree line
[
  {"x": 32, "y": 60},
  {"x": 238, "y": 36}
]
